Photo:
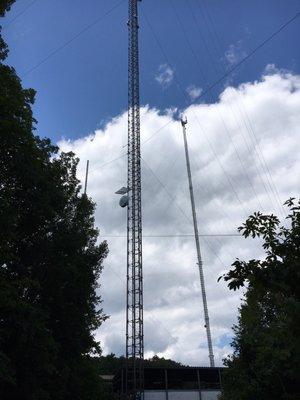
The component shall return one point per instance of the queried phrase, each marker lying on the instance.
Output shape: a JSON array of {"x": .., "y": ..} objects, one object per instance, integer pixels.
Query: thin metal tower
[
  {"x": 200, "y": 264},
  {"x": 86, "y": 176},
  {"x": 134, "y": 312}
]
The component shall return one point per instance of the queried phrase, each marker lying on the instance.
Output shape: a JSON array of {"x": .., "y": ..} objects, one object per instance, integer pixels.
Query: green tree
[
  {"x": 50, "y": 261},
  {"x": 5, "y": 6},
  {"x": 111, "y": 364},
  {"x": 161, "y": 362},
  {"x": 266, "y": 359}
]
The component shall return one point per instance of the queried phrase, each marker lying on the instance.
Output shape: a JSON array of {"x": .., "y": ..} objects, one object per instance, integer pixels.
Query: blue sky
[{"x": 85, "y": 84}]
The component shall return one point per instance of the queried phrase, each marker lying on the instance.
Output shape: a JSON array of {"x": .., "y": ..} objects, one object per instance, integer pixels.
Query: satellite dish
[
  {"x": 124, "y": 201},
  {"x": 123, "y": 190}
]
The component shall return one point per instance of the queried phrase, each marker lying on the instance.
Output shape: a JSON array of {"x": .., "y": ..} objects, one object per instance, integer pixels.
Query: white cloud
[
  {"x": 227, "y": 140},
  {"x": 235, "y": 53},
  {"x": 194, "y": 92},
  {"x": 165, "y": 75},
  {"x": 272, "y": 69}
]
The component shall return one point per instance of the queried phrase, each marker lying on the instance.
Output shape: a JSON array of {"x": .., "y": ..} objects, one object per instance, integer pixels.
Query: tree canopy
[
  {"x": 266, "y": 359},
  {"x": 111, "y": 364},
  {"x": 50, "y": 261}
]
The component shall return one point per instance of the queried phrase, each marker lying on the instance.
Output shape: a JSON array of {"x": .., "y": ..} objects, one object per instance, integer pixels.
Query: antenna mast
[
  {"x": 200, "y": 264},
  {"x": 134, "y": 310},
  {"x": 86, "y": 176}
]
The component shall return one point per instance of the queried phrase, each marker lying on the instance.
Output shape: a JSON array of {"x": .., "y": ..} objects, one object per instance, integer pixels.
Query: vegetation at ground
[
  {"x": 50, "y": 260},
  {"x": 111, "y": 364},
  {"x": 266, "y": 359}
]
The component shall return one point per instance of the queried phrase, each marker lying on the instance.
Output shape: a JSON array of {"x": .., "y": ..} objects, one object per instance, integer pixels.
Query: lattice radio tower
[{"x": 134, "y": 313}]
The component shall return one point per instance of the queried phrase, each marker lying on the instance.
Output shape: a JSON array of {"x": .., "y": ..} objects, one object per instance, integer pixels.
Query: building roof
[{"x": 176, "y": 378}]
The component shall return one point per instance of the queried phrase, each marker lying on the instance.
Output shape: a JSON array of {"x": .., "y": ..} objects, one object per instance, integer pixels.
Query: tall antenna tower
[
  {"x": 86, "y": 176},
  {"x": 134, "y": 312},
  {"x": 200, "y": 264}
]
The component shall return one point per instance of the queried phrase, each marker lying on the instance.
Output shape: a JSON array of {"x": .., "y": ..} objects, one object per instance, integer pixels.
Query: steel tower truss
[{"x": 134, "y": 313}]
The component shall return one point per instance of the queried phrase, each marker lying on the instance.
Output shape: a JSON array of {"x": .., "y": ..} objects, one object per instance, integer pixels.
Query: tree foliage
[
  {"x": 111, "y": 364},
  {"x": 161, "y": 362},
  {"x": 50, "y": 261},
  {"x": 266, "y": 359},
  {"x": 5, "y": 6}
]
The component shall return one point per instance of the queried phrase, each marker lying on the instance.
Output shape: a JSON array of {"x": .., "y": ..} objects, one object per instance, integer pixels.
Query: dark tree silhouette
[
  {"x": 50, "y": 261},
  {"x": 266, "y": 359}
]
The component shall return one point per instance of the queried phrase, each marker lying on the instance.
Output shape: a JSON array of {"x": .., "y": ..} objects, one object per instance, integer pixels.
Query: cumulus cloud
[
  {"x": 165, "y": 75},
  {"x": 242, "y": 148},
  {"x": 194, "y": 92},
  {"x": 235, "y": 53},
  {"x": 271, "y": 69}
]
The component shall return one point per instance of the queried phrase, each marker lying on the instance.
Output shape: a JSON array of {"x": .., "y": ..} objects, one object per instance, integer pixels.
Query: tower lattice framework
[{"x": 134, "y": 314}]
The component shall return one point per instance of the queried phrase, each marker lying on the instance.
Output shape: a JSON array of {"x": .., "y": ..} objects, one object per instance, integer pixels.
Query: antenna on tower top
[{"x": 183, "y": 120}]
